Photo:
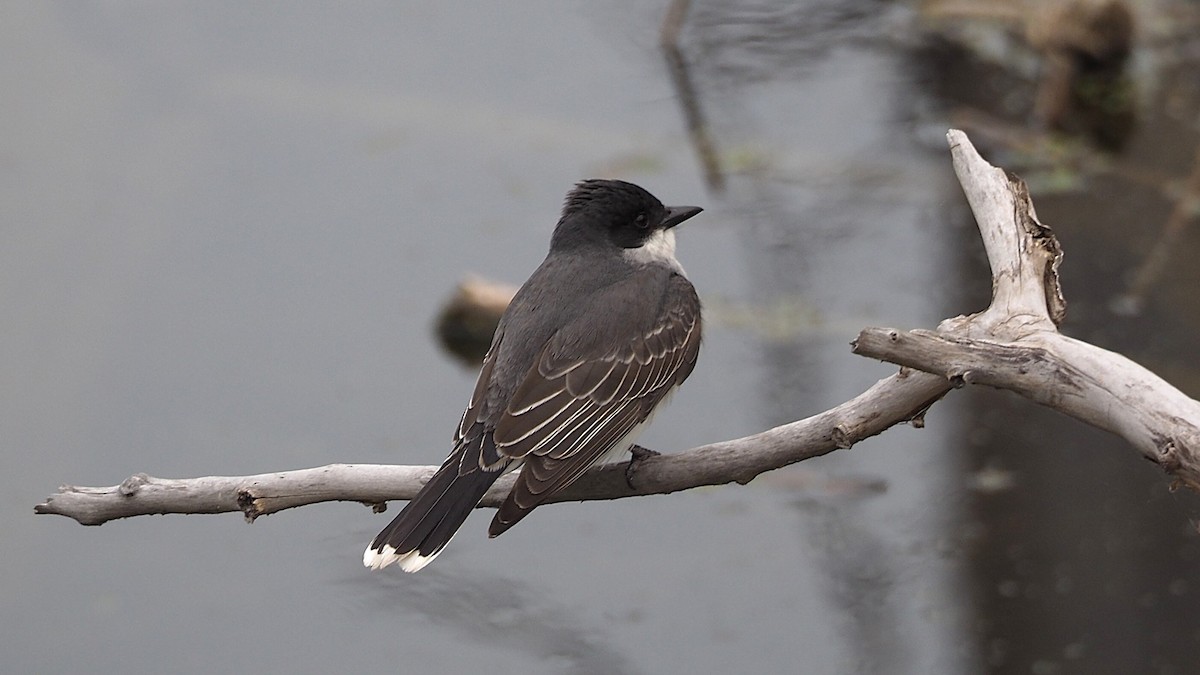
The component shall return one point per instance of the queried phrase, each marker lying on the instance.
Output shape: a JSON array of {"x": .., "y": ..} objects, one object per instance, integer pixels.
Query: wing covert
[{"x": 583, "y": 395}]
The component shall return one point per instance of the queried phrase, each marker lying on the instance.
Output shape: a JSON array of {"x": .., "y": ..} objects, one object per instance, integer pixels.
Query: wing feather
[
  {"x": 471, "y": 414},
  {"x": 584, "y": 380},
  {"x": 535, "y": 423},
  {"x": 580, "y": 399}
]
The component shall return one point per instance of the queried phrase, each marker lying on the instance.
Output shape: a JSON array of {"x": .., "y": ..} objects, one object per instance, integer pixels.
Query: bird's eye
[{"x": 641, "y": 221}]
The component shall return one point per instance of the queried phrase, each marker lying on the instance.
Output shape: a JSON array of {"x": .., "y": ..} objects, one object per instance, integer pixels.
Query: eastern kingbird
[{"x": 605, "y": 329}]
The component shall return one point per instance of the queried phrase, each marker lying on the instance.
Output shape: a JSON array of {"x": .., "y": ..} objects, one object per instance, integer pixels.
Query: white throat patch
[{"x": 659, "y": 249}]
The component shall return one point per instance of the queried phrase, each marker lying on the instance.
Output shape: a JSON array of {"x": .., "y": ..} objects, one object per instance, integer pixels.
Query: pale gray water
[{"x": 228, "y": 228}]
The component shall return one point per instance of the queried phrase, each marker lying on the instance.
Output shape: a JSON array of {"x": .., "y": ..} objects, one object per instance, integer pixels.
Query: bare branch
[
  {"x": 1023, "y": 253},
  {"x": 895, "y": 399},
  {"x": 1093, "y": 385},
  {"x": 1014, "y": 345}
]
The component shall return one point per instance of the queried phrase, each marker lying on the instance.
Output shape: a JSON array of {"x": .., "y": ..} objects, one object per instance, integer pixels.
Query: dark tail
[{"x": 427, "y": 523}]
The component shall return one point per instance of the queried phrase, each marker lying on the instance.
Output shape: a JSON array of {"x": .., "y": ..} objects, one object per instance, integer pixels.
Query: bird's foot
[{"x": 640, "y": 455}]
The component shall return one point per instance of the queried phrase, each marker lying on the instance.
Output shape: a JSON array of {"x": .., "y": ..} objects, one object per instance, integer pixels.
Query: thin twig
[{"x": 1157, "y": 260}]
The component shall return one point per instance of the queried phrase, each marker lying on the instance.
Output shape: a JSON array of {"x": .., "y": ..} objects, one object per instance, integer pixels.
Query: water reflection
[
  {"x": 1080, "y": 544},
  {"x": 225, "y": 259},
  {"x": 496, "y": 613},
  {"x": 850, "y": 229},
  {"x": 1042, "y": 599}
]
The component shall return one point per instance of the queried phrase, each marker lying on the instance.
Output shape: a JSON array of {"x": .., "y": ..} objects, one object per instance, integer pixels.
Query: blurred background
[{"x": 228, "y": 229}]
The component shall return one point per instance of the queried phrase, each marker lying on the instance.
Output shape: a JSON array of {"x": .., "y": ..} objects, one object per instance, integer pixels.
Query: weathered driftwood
[{"x": 1014, "y": 344}]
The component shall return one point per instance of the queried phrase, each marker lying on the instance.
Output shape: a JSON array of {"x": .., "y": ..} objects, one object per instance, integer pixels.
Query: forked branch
[{"x": 1014, "y": 344}]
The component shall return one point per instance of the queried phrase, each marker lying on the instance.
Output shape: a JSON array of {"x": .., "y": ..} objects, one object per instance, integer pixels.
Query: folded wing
[{"x": 584, "y": 398}]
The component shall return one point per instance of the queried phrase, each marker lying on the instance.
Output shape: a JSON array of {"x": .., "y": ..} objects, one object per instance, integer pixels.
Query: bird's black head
[{"x": 616, "y": 212}]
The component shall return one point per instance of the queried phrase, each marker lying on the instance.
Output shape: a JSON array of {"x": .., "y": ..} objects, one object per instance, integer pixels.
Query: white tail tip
[{"x": 412, "y": 561}]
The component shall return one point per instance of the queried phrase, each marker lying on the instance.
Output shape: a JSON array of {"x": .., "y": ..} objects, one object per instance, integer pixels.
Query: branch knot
[{"x": 130, "y": 486}]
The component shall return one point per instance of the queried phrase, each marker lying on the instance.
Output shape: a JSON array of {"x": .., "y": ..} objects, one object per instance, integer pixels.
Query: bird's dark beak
[{"x": 678, "y": 214}]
